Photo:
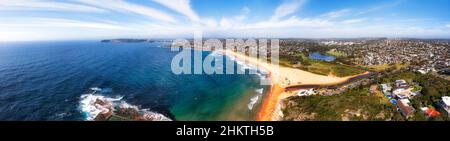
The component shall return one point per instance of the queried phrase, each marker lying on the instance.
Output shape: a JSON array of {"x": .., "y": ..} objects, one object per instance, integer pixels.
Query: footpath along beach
[{"x": 282, "y": 77}]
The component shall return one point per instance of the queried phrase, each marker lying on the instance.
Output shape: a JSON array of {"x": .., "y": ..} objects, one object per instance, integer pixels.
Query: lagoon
[{"x": 319, "y": 56}]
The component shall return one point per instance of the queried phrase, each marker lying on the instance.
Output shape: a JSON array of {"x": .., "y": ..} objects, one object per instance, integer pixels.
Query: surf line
[{"x": 271, "y": 101}]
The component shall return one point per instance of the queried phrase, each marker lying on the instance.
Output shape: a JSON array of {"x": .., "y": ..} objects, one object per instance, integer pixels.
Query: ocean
[{"x": 46, "y": 81}]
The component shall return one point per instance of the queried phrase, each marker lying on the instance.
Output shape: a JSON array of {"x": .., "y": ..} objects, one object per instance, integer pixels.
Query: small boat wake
[{"x": 97, "y": 107}]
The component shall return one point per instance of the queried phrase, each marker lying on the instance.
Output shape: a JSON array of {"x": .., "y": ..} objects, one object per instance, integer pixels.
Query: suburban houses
[
  {"x": 430, "y": 111},
  {"x": 445, "y": 104},
  {"x": 400, "y": 94},
  {"x": 405, "y": 108},
  {"x": 424, "y": 63}
]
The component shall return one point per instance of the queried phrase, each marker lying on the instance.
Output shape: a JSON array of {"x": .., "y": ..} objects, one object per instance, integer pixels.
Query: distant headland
[{"x": 133, "y": 40}]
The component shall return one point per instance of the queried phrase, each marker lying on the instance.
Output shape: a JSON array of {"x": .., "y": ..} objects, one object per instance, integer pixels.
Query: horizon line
[{"x": 189, "y": 38}]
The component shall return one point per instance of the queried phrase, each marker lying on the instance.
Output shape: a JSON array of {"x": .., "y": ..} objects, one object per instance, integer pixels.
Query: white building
[
  {"x": 446, "y": 104},
  {"x": 422, "y": 71},
  {"x": 401, "y": 84},
  {"x": 401, "y": 93},
  {"x": 386, "y": 87}
]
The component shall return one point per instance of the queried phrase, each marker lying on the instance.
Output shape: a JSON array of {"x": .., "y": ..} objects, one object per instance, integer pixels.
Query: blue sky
[{"x": 99, "y": 19}]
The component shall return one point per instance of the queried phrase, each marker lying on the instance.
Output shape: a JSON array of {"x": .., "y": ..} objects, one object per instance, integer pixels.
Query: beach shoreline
[{"x": 284, "y": 77}]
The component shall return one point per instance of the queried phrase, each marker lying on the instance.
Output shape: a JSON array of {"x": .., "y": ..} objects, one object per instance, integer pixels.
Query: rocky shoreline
[{"x": 100, "y": 108}]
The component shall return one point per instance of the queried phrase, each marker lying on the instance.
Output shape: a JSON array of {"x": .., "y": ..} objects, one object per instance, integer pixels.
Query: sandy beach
[
  {"x": 283, "y": 77},
  {"x": 286, "y": 76}
]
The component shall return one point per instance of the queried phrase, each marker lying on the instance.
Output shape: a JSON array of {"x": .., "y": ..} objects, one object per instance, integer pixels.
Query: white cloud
[
  {"x": 283, "y": 10},
  {"x": 26, "y": 29},
  {"x": 353, "y": 21},
  {"x": 336, "y": 14},
  {"x": 226, "y": 23},
  {"x": 233, "y": 22},
  {"x": 44, "y": 5},
  {"x": 287, "y": 8},
  {"x": 245, "y": 10},
  {"x": 281, "y": 24},
  {"x": 123, "y": 6},
  {"x": 209, "y": 22},
  {"x": 181, "y": 6},
  {"x": 291, "y": 22},
  {"x": 381, "y": 7},
  {"x": 56, "y": 23},
  {"x": 18, "y": 35}
]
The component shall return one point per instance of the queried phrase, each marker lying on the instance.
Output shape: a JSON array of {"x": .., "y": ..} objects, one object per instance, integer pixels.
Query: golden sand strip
[
  {"x": 286, "y": 76},
  {"x": 283, "y": 77}
]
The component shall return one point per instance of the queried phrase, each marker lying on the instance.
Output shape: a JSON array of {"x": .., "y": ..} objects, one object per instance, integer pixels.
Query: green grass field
[
  {"x": 319, "y": 67},
  {"x": 335, "y": 53}
]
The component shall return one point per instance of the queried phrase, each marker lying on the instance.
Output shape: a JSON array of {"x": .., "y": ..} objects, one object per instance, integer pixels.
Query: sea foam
[
  {"x": 255, "y": 98},
  {"x": 90, "y": 107},
  {"x": 253, "y": 101}
]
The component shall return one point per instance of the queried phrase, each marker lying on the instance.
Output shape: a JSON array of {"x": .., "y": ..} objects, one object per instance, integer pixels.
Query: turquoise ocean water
[{"x": 45, "y": 81}]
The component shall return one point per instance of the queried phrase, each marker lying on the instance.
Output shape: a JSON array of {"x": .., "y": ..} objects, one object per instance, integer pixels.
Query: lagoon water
[
  {"x": 44, "y": 81},
  {"x": 318, "y": 56}
]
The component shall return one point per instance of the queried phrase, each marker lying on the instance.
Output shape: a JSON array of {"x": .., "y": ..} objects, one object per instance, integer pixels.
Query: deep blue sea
[{"x": 44, "y": 81}]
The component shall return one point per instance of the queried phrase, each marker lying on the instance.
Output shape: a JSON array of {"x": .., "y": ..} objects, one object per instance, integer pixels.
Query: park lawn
[
  {"x": 319, "y": 67},
  {"x": 378, "y": 68},
  {"x": 399, "y": 66},
  {"x": 343, "y": 71},
  {"x": 327, "y": 68},
  {"x": 335, "y": 53}
]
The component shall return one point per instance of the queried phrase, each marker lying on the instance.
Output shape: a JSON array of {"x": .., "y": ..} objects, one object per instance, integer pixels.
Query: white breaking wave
[
  {"x": 253, "y": 101},
  {"x": 94, "y": 104},
  {"x": 146, "y": 113},
  {"x": 255, "y": 98},
  {"x": 244, "y": 66},
  {"x": 154, "y": 116},
  {"x": 260, "y": 91},
  {"x": 91, "y": 109}
]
